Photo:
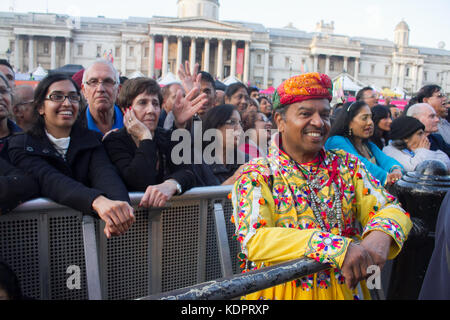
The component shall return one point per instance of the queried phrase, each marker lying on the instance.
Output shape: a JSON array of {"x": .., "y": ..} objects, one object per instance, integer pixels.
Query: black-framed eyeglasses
[
  {"x": 57, "y": 97},
  {"x": 108, "y": 83},
  {"x": 441, "y": 95}
]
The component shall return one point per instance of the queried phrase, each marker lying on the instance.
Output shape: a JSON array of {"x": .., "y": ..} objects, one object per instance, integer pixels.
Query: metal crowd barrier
[
  {"x": 46, "y": 244},
  {"x": 184, "y": 251}
]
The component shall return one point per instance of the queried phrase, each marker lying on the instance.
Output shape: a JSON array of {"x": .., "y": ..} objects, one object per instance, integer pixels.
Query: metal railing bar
[{"x": 241, "y": 284}]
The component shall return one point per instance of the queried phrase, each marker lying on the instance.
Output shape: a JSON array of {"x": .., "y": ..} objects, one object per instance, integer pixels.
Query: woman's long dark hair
[
  {"x": 40, "y": 94},
  {"x": 380, "y": 112},
  {"x": 340, "y": 126},
  {"x": 424, "y": 92},
  {"x": 216, "y": 118}
]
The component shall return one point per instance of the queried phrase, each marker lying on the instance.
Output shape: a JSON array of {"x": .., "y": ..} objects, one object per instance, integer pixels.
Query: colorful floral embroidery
[{"x": 323, "y": 279}]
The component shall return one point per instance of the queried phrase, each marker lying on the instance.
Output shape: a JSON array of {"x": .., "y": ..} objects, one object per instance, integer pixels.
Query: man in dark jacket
[{"x": 15, "y": 186}]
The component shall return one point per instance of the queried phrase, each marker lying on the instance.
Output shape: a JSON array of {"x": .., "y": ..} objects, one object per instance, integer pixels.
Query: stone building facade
[{"x": 248, "y": 51}]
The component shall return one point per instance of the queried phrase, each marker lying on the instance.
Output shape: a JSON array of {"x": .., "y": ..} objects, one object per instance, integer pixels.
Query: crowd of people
[{"x": 303, "y": 172}]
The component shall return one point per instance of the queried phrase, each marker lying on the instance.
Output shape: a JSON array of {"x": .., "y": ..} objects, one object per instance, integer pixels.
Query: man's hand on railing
[
  {"x": 356, "y": 262},
  {"x": 118, "y": 215}
]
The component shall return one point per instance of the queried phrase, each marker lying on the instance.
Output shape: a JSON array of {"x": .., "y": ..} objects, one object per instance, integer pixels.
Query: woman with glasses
[
  {"x": 257, "y": 131},
  {"x": 68, "y": 160},
  {"x": 15, "y": 186},
  {"x": 142, "y": 151},
  {"x": 351, "y": 132},
  {"x": 222, "y": 134}
]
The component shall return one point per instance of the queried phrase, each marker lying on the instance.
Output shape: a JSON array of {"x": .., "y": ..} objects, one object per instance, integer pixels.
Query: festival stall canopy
[
  {"x": 168, "y": 79},
  {"x": 136, "y": 74},
  {"x": 39, "y": 73},
  {"x": 230, "y": 80}
]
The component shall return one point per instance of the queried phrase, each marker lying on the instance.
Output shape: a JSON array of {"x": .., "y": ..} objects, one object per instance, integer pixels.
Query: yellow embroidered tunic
[{"x": 275, "y": 223}]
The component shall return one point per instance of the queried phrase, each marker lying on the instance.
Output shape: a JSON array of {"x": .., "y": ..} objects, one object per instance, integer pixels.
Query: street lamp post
[{"x": 8, "y": 54}]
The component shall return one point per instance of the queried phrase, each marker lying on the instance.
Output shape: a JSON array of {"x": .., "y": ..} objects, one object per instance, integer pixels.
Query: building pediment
[{"x": 198, "y": 23}]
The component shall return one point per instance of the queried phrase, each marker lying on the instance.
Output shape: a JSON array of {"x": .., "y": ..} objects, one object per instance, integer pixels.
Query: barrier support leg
[
  {"x": 222, "y": 240},
  {"x": 91, "y": 255}
]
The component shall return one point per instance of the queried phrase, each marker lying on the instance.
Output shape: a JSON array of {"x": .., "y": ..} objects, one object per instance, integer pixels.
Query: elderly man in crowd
[
  {"x": 427, "y": 115},
  {"x": 304, "y": 201},
  {"x": 23, "y": 106},
  {"x": 100, "y": 87},
  {"x": 368, "y": 95}
]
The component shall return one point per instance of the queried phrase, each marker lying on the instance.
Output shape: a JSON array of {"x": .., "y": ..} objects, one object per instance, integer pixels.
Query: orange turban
[{"x": 307, "y": 86}]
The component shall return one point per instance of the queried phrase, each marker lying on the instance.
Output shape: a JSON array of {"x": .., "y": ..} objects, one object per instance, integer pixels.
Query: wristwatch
[{"x": 178, "y": 186}]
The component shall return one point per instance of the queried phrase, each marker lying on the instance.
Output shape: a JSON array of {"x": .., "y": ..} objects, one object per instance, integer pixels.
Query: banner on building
[
  {"x": 158, "y": 55},
  {"x": 240, "y": 61}
]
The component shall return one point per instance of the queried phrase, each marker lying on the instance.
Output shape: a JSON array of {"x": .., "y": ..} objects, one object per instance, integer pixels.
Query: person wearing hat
[
  {"x": 409, "y": 144},
  {"x": 304, "y": 201}
]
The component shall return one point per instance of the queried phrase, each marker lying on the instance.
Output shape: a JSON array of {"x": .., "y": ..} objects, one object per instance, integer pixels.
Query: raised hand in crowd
[
  {"x": 186, "y": 107},
  {"x": 189, "y": 81},
  {"x": 118, "y": 215}
]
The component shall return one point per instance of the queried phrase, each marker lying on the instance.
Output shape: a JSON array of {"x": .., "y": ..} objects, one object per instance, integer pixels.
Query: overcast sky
[{"x": 428, "y": 20}]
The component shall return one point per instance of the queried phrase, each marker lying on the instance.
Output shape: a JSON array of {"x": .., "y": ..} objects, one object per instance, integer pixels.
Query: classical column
[
  {"x": 233, "y": 59},
  {"x": 414, "y": 78},
  {"x": 165, "y": 61},
  {"x": 246, "y": 62},
  {"x": 394, "y": 76},
  {"x": 206, "y": 56},
  {"x": 139, "y": 56},
  {"x": 151, "y": 57},
  {"x": 53, "y": 54},
  {"x": 123, "y": 60},
  {"x": 356, "y": 68},
  {"x": 31, "y": 54},
  {"x": 193, "y": 53},
  {"x": 68, "y": 53},
  {"x": 220, "y": 59},
  {"x": 16, "y": 54},
  {"x": 401, "y": 80},
  {"x": 327, "y": 64},
  {"x": 179, "y": 53},
  {"x": 420, "y": 77},
  {"x": 266, "y": 68},
  {"x": 345, "y": 64},
  {"x": 316, "y": 63}
]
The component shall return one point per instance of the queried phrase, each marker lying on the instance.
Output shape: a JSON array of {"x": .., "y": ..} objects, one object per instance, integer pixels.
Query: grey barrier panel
[{"x": 164, "y": 250}]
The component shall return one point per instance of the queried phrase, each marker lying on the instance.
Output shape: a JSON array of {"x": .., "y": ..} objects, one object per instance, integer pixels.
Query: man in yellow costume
[{"x": 303, "y": 201}]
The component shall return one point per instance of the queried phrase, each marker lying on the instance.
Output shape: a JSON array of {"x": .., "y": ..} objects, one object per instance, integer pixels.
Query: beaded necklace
[{"x": 320, "y": 209}]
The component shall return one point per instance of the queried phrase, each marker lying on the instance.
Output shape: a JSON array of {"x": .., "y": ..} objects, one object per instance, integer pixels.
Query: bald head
[
  {"x": 23, "y": 106},
  {"x": 425, "y": 114}
]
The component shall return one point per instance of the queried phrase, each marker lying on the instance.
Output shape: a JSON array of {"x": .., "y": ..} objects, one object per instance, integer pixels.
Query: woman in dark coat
[
  {"x": 15, "y": 186},
  {"x": 142, "y": 151},
  {"x": 69, "y": 161}
]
